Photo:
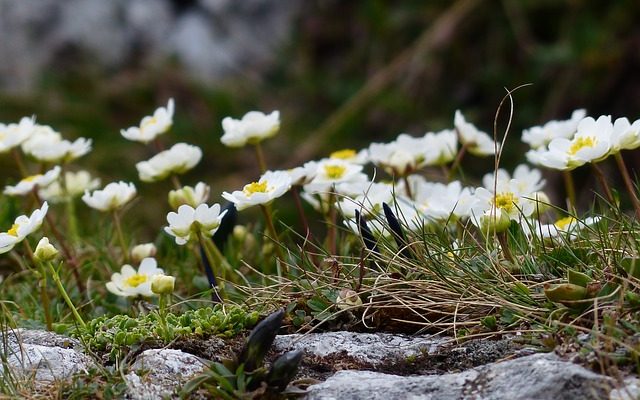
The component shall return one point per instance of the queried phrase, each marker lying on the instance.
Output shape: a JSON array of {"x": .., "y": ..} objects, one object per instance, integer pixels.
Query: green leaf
[{"x": 578, "y": 278}]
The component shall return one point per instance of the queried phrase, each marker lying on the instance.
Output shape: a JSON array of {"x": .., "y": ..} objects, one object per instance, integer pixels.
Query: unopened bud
[
  {"x": 142, "y": 251},
  {"x": 494, "y": 220},
  {"x": 45, "y": 250},
  {"x": 192, "y": 196},
  {"x": 348, "y": 298},
  {"x": 163, "y": 284}
]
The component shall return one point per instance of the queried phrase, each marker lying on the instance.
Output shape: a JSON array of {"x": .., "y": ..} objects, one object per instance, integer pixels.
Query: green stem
[
  {"x": 123, "y": 244},
  {"x": 331, "y": 224},
  {"x": 504, "y": 244},
  {"x": 603, "y": 182},
  {"x": 260, "y": 156},
  {"x": 72, "y": 222},
  {"x": 570, "y": 189},
  {"x": 281, "y": 264},
  {"x": 457, "y": 161},
  {"x": 162, "y": 314},
  {"x": 63, "y": 292},
  {"x": 215, "y": 259},
  {"x": 44, "y": 297},
  {"x": 628, "y": 182},
  {"x": 19, "y": 163},
  {"x": 407, "y": 187}
]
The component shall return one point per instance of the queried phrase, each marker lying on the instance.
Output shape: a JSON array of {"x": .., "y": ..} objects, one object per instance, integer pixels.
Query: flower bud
[
  {"x": 142, "y": 251},
  {"x": 348, "y": 298},
  {"x": 163, "y": 284},
  {"x": 494, "y": 220},
  {"x": 45, "y": 250},
  {"x": 192, "y": 196}
]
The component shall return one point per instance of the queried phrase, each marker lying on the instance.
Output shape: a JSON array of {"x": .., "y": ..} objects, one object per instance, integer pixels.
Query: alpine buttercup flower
[
  {"x": 47, "y": 145},
  {"x": 254, "y": 127},
  {"x": 112, "y": 197},
  {"x": 26, "y": 185},
  {"x": 193, "y": 196},
  {"x": 131, "y": 283},
  {"x": 13, "y": 135},
  {"x": 540, "y": 136},
  {"x": 75, "y": 184},
  {"x": 271, "y": 185},
  {"x": 151, "y": 126},
  {"x": 188, "y": 223},
  {"x": 180, "y": 158},
  {"x": 477, "y": 142},
  {"x": 22, "y": 227}
]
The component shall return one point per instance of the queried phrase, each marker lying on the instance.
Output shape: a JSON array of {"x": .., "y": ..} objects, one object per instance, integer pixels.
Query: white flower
[
  {"x": 508, "y": 199},
  {"x": 131, "y": 283},
  {"x": 270, "y": 186},
  {"x": 528, "y": 180},
  {"x": 193, "y": 196},
  {"x": 22, "y": 227},
  {"x": 47, "y": 145},
  {"x": 113, "y": 196},
  {"x": 163, "y": 284},
  {"x": 151, "y": 126},
  {"x": 440, "y": 202},
  {"x": 368, "y": 200},
  {"x": 26, "y": 185},
  {"x": 540, "y": 136},
  {"x": 75, "y": 184},
  {"x": 350, "y": 155},
  {"x": 625, "y": 135},
  {"x": 252, "y": 128},
  {"x": 441, "y": 147},
  {"x": 401, "y": 156},
  {"x": 45, "y": 251},
  {"x": 567, "y": 227},
  {"x": 477, "y": 142},
  {"x": 142, "y": 251},
  {"x": 591, "y": 143},
  {"x": 177, "y": 160},
  {"x": 332, "y": 171},
  {"x": 13, "y": 135},
  {"x": 188, "y": 223}
]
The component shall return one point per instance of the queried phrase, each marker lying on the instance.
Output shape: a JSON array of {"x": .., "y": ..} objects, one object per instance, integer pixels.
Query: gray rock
[
  {"x": 630, "y": 390},
  {"x": 539, "y": 376},
  {"x": 45, "y": 356},
  {"x": 371, "y": 348},
  {"x": 159, "y": 373}
]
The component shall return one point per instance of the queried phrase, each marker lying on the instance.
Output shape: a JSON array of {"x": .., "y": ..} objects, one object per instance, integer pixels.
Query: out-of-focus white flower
[
  {"x": 591, "y": 143},
  {"x": 180, "y": 158},
  {"x": 47, "y": 145},
  {"x": 567, "y": 227},
  {"x": 151, "y": 126},
  {"x": 131, "y": 283},
  {"x": 333, "y": 171},
  {"x": 113, "y": 196},
  {"x": 625, "y": 135},
  {"x": 163, "y": 284},
  {"x": 477, "y": 142},
  {"x": 441, "y": 147},
  {"x": 540, "y": 136},
  {"x": 75, "y": 184},
  {"x": 254, "y": 127},
  {"x": 271, "y": 185},
  {"x": 492, "y": 220},
  {"x": 13, "y": 135},
  {"x": 22, "y": 227},
  {"x": 528, "y": 180},
  {"x": 350, "y": 155},
  {"x": 400, "y": 157},
  {"x": 45, "y": 251},
  {"x": 142, "y": 251},
  {"x": 193, "y": 196},
  {"x": 368, "y": 200},
  {"x": 188, "y": 223},
  {"x": 28, "y": 184},
  {"x": 440, "y": 202}
]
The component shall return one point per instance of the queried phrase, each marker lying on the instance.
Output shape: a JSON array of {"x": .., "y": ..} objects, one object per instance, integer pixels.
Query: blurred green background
[{"x": 352, "y": 73}]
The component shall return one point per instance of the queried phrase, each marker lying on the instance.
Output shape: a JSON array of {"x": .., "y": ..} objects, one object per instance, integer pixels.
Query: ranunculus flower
[
  {"x": 131, "y": 283},
  {"x": 26, "y": 185},
  {"x": 151, "y": 126},
  {"x": 254, "y": 127},
  {"x": 180, "y": 158},
  {"x": 112, "y": 197},
  {"x": 188, "y": 223},
  {"x": 271, "y": 185},
  {"x": 22, "y": 227}
]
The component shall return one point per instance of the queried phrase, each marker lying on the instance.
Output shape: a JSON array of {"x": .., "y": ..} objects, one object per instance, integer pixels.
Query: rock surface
[
  {"x": 213, "y": 39},
  {"x": 539, "y": 376},
  {"x": 159, "y": 373},
  {"x": 43, "y": 355}
]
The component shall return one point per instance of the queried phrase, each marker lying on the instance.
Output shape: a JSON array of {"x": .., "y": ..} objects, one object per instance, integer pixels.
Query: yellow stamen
[
  {"x": 563, "y": 223},
  {"x": 135, "y": 280},
  {"x": 580, "y": 143},
  {"x": 334, "y": 171},
  {"x": 13, "y": 231},
  {"x": 255, "y": 187},
  {"x": 344, "y": 154},
  {"x": 506, "y": 201},
  {"x": 31, "y": 178}
]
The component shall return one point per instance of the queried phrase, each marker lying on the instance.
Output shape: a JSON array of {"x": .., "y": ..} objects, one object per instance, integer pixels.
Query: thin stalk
[
  {"x": 281, "y": 263},
  {"x": 162, "y": 313},
  {"x": 44, "y": 297},
  {"x": 222, "y": 260},
  {"x": 63, "y": 292},
  {"x": 504, "y": 244},
  {"x": 331, "y": 225},
  {"x": 123, "y": 243},
  {"x": 72, "y": 222},
  {"x": 456, "y": 162},
  {"x": 303, "y": 217},
  {"x": 18, "y": 159},
  {"x": 603, "y": 183},
  {"x": 260, "y": 156},
  {"x": 407, "y": 187},
  {"x": 628, "y": 182},
  {"x": 213, "y": 262},
  {"x": 570, "y": 189},
  {"x": 176, "y": 182}
]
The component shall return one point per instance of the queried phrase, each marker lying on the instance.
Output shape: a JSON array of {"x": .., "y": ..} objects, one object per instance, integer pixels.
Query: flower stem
[
  {"x": 504, "y": 244},
  {"x": 19, "y": 163},
  {"x": 260, "y": 156},
  {"x": 63, "y": 292},
  {"x": 570, "y": 189},
  {"x": 123, "y": 244},
  {"x": 281, "y": 263},
  {"x": 42, "y": 284},
  {"x": 456, "y": 162},
  {"x": 163, "y": 303},
  {"x": 407, "y": 187},
  {"x": 215, "y": 259},
  {"x": 331, "y": 225},
  {"x": 603, "y": 182},
  {"x": 628, "y": 183}
]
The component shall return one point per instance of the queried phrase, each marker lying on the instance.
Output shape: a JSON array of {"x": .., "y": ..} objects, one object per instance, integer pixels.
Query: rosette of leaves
[
  {"x": 246, "y": 376},
  {"x": 579, "y": 291}
]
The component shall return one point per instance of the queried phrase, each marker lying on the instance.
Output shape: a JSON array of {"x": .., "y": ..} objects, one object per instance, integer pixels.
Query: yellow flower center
[
  {"x": 31, "y": 178},
  {"x": 506, "y": 201},
  {"x": 344, "y": 154},
  {"x": 255, "y": 187},
  {"x": 563, "y": 223},
  {"x": 13, "y": 231},
  {"x": 149, "y": 122},
  {"x": 580, "y": 143},
  {"x": 334, "y": 171},
  {"x": 135, "y": 280}
]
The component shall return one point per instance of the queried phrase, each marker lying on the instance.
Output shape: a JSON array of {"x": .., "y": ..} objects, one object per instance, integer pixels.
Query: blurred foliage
[{"x": 575, "y": 53}]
